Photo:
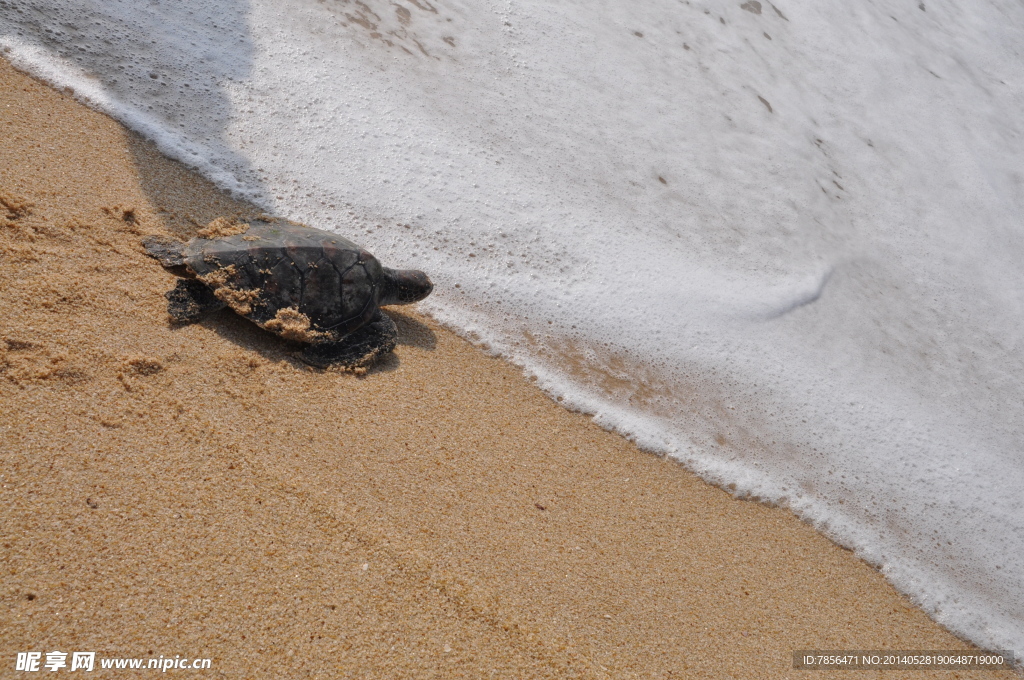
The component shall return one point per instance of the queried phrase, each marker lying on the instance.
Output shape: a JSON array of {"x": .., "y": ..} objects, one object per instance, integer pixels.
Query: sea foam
[{"x": 779, "y": 242}]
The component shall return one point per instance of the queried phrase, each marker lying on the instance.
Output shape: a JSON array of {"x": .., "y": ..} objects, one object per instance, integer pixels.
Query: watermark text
[{"x": 34, "y": 662}]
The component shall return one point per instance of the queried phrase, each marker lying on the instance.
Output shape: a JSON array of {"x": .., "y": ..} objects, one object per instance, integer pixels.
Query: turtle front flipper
[
  {"x": 190, "y": 300},
  {"x": 171, "y": 253},
  {"x": 358, "y": 349}
]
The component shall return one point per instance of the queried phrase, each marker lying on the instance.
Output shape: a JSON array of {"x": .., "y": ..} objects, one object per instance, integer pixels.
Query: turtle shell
[{"x": 302, "y": 283}]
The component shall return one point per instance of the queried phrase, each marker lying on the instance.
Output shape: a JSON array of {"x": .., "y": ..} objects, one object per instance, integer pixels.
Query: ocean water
[{"x": 782, "y": 243}]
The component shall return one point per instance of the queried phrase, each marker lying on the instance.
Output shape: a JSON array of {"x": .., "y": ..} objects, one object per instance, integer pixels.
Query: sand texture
[{"x": 196, "y": 490}]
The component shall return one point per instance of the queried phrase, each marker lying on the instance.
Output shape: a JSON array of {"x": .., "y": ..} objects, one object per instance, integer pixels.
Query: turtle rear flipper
[
  {"x": 358, "y": 349},
  {"x": 190, "y": 300},
  {"x": 171, "y": 253}
]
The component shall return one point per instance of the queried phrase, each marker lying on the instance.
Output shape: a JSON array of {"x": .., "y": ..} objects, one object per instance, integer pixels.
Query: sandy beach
[{"x": 198, "y": 491}]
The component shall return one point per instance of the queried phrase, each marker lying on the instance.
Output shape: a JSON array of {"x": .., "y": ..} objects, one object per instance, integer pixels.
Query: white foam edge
[
  {"x": 67, "y": 77},
  {"x": 926, "y": 588}
]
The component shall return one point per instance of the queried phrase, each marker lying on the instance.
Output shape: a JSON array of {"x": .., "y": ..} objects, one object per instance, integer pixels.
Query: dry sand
[{"x": 198, "y": 491}]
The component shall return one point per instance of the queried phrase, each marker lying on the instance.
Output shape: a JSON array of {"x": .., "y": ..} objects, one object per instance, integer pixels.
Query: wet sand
[{"x": 198, "y": 491}]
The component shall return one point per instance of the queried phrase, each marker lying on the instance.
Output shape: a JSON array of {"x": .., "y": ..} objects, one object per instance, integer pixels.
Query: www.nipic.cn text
[{"x": 54, "y": 661}]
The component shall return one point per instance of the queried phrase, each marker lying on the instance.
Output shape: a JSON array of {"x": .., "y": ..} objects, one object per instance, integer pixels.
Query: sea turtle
[{"x": 303, "y": 284}]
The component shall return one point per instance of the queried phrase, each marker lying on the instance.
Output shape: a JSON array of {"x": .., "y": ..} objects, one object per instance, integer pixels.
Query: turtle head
[{"x": 404, "y": 286}]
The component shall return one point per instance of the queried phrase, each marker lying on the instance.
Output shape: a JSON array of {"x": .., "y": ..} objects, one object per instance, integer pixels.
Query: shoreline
[{"x": 438, "y": 516}]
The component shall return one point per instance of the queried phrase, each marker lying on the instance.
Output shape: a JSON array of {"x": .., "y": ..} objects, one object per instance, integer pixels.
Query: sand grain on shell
[
  {"x": 196, "y": 490},
  {"x": 223, "y": 227},
  {"x": 291, "y": 324}
]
